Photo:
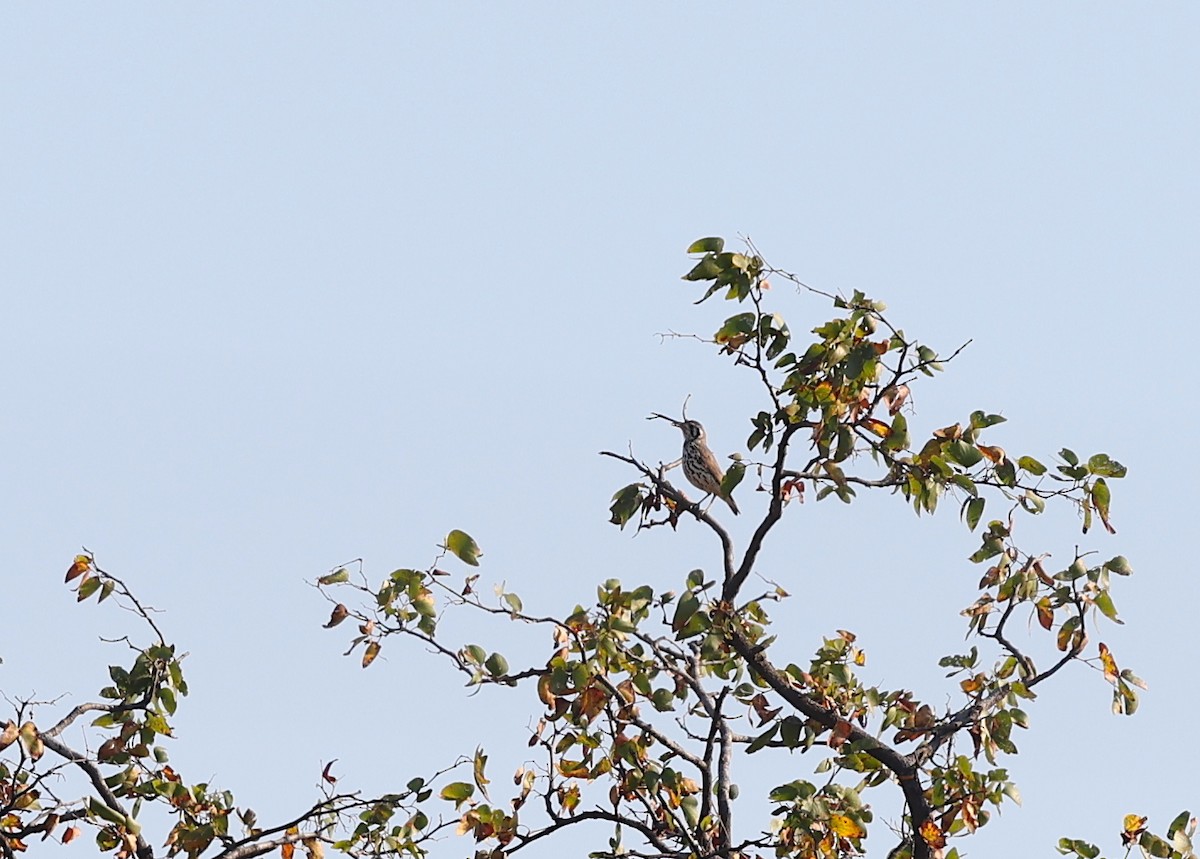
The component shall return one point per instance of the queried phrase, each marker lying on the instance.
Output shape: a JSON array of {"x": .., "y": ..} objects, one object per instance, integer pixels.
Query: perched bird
[{"x": 699, "y": 465}]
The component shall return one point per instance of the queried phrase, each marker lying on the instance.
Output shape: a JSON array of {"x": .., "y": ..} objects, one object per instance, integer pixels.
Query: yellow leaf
[
  {"x": 1134, "y": 825},
  {"x": 1110, "y": 664},
  {"x": 845, "y": 826},
  {"x": 1134, "y": 822},
  {"x": 877, "y": 426}
]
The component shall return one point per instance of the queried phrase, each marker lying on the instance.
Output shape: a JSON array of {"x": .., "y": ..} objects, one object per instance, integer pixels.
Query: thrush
[{"x": 699, "y": 465}]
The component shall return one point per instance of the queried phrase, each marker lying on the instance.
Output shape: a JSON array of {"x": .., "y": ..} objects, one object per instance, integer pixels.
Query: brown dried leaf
[
  {"x": 895, "y": 398},
  {"x": 9, "y": 735},
  {"x": 339, "y": 613}
]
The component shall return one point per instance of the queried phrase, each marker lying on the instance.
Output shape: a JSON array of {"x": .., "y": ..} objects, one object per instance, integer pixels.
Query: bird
[{"x": 699, "y": 465}]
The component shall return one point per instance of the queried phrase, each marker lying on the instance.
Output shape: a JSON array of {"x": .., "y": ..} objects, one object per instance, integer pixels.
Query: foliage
[{"x": 644, "y": 692}]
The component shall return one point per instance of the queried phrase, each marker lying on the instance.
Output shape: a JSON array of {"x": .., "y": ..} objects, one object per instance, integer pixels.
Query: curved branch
[
  {"x": 904, "y": 769},
  {"x": 735, "y": 580},
  {"x": 92, "y": 771},
  {"x": 664, "y": 487}
]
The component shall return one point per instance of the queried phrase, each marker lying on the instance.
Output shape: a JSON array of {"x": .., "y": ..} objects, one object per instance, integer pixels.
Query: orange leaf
[
  {"x": 70, "y": 834},
  {"x": 995, "y": 454},
  {"x": 841, "y": 732},
  {"x": 287, "y": 850},
  {"x": 970, "y": 815},
  {"x": 953, "y": 432},
  {"x": 1110, "y": 665},
  {"x": 370, "y": 654},
  {"x": 972, "y": 684},
  {"x": 932, "y": 835},
  {"x": 79, "y": 566},
  {"x": 1045, "y": 614},
  {"x": 591, "y": 701}
]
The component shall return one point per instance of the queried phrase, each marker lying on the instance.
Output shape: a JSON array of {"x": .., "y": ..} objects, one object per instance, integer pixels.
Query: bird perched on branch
[{"x": 699, "y": 465}]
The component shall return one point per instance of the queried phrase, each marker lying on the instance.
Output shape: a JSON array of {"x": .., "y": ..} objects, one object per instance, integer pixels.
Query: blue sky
[{"x": 289, "y": 285}]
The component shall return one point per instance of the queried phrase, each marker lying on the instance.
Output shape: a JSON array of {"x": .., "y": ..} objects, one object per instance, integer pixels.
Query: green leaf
[
  {"x": 1179, "y": 823},
  {"x": 1104, "y": 602},
  {"x": 979, "y": 420},
  {"x": 711, "y": 244},
  {"x": 496, "y": 665},
  {"x": 1031, "y": 502},
  {"x": 1118, "y": 565},
  {"x": 992, "y": 546},
  {"x": 1069, "y": 455},
  {"x": 762, "y": 739},
  {"x": 686, "y": 607},
  {"x": 1101, "y": 496},
  {"x": 335, "y": 578},
  {"x": 1102, "y": 466},
  {"x": 626, "y": 502},
  {"x": 736, "y": 328},
  {"x": 964, "y": 482},
  {"x": 1028, "y": 463},
  {"x": 458, "y": 792},
  {"x": 732, "y": 477},
  {"x": 898, "y": 438},
  {"x": 663, "y": 700},
  {"x": 964, "y": 454},
  {"x": 463, "y": 547},
  {"x": 89, "y": 587},
  {"x": 972, "y": 511},
  {"x": 167, "y": 698},
  {"x": 706, "y": 269},
  {"x": 514, "y": 602}
]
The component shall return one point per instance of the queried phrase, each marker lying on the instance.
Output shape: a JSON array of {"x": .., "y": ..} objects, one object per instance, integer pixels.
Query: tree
[{"x": 644, "y": 693}]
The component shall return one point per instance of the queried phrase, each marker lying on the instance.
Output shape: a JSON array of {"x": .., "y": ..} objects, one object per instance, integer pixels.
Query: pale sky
[{"x": 288, "y": 285}]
